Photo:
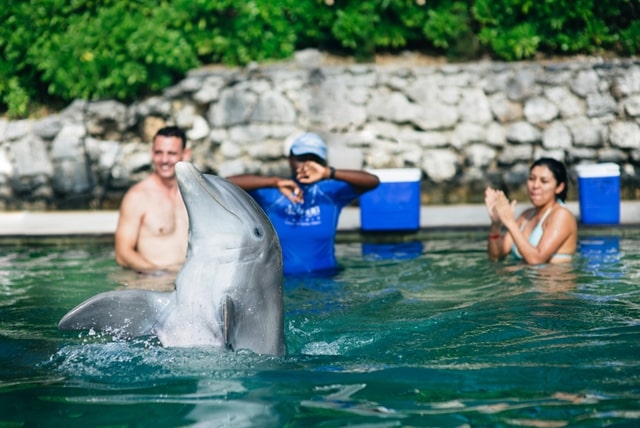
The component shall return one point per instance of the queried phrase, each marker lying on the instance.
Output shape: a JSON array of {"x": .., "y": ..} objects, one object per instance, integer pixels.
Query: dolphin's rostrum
[{"x": 229, "y": 290}]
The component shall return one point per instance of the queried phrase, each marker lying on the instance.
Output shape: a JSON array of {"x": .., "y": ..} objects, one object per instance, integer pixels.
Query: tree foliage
[{"x": 90, "y": 49}]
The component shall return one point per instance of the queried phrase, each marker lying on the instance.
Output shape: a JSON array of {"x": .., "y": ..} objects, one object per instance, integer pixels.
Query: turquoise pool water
[{"x": 419, "y": 334}]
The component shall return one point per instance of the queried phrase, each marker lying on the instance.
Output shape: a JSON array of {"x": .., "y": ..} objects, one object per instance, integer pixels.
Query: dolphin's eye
[{"x": 258, "y": 232}]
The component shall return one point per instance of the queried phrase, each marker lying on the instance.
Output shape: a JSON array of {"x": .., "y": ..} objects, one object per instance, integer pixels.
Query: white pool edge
[{"x": 32, "y": 223}]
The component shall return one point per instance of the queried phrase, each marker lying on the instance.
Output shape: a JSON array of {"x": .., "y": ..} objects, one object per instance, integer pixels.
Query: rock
[
  {"x": 464, "y": 125},
  {"x": 625, "y": 135}
]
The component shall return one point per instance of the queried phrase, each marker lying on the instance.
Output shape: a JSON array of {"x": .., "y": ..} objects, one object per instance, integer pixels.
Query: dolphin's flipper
[
  {"x": 228, "y": 317},
  {"x": 125, "y": 313}
]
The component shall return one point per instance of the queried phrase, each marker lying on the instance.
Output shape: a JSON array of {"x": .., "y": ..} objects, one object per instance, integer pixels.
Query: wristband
[
  {"x": 494, "y": 236},
  {"x": 332, "y": 172}
]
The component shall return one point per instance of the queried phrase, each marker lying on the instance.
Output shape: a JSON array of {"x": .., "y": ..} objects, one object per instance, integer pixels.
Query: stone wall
[{"x": 464, "y": 125}]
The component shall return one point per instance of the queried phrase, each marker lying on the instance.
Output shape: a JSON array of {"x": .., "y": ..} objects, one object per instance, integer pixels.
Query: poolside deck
[{"x": 103, "y": 223}]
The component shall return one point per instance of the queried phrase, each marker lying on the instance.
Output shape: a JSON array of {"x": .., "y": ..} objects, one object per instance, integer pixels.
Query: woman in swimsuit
[{"x": 545, "y": 233}]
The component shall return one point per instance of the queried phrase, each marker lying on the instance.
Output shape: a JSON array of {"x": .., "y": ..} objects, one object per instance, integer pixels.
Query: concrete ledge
[
  {"x": 58, "y": 223},
  {"x": 476, "y": 216},
  {"x": 65, "y": 223}
]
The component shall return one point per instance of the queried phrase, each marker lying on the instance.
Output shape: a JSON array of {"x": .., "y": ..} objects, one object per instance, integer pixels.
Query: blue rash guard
[{"x": 307, "y": 231}]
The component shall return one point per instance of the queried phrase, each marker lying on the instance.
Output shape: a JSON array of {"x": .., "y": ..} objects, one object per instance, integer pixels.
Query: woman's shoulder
[
  {"x": 565, "y": 209},
  {"x": 565, "y": 215}
]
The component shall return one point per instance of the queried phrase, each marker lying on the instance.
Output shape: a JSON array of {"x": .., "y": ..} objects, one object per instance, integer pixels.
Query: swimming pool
[{"x": 424, "y": 333}]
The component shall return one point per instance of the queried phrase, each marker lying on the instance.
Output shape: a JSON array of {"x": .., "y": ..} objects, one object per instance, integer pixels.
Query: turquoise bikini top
[{"x": 536, "y": 235}]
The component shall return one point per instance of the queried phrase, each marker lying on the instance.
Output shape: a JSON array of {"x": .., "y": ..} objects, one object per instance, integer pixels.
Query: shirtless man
[{"x": 152, "y": 231}]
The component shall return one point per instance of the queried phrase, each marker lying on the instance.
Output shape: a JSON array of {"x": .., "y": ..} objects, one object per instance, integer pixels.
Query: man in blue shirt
[{"x": 304, "y": 209}]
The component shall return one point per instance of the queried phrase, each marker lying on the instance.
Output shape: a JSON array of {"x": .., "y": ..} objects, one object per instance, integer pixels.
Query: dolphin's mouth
[
  {"x": 201, "y": 196},
  {"x": 212, "y": 191}
]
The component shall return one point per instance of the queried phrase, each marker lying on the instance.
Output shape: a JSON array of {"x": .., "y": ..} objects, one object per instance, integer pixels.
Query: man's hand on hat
[{"x": 291, "y": 190}]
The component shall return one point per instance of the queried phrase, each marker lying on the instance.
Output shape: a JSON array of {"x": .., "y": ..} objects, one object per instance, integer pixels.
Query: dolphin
[{"x": 229, "y": 291}]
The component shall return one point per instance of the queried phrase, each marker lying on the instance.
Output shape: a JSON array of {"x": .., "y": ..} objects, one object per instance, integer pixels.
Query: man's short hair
[{"x": 172, "y": 131}]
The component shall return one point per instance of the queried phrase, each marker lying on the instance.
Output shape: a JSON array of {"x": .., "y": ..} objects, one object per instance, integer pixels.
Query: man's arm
[
  {"x": 126, "y": 236},
  {"x": 287, "y": 187},
  {"x": 362, "y": 181},
  {"x": 250, "y": 182}
]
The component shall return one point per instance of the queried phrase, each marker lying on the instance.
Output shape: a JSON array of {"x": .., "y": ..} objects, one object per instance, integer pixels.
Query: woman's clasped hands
[{"x": 500, "y": 209}]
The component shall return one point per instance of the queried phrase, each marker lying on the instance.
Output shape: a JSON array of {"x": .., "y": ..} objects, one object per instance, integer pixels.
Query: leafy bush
[
  {"x": 58, "y": 50},
  {"x": 631, "y": 39},
  {"x": 121, "y": 52},
  {"x": 519, "y": 29},
  {"x": 232, "y": 32}
]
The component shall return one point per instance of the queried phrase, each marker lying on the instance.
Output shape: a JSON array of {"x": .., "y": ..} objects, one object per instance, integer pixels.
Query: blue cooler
[
  {"x": 599, "y": 193},
  {"x": 395, "y": 204}
]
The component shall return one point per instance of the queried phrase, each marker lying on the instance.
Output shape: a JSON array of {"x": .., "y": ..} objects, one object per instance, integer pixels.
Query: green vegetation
[{"x": 58, "y": 50}]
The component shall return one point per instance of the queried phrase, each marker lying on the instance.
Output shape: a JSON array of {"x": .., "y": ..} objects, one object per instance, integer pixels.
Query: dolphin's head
[{"x": 224, "y": 221}]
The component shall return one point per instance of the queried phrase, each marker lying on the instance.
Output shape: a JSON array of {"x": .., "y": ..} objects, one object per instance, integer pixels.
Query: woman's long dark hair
[{"x": 559, "y": 172}]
